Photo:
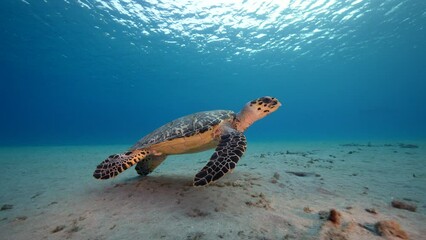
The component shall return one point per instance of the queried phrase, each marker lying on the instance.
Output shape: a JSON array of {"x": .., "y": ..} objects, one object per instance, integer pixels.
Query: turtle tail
[{"x": 117, "y": 163}]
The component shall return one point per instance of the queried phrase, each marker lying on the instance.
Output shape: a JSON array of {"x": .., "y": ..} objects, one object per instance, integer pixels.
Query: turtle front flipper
[
  {"x": 148, "y": 165},
  {"x": 117, "y": 163},
  {"x": 231, "y": 147}
]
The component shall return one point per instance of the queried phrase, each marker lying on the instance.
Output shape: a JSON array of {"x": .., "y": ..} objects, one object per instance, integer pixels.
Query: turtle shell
[{"x": 186, "y": 126}]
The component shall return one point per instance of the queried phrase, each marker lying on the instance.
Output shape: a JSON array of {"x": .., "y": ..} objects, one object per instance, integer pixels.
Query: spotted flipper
[
  {"x": 230, "y": 149},
  {"x": 147, "y": 165},
  {"x": 117, "y": 163}
]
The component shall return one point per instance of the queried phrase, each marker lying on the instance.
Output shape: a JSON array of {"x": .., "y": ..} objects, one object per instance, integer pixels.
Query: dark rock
[
  {"x": 21, "y": 218},
  {"x": 196, "y": 236},
  {"x": 290, "y": 236},
  {"x": 323, "y": 215},
  {"x": 303, "y": 154},
  {"x": 276, "y": 176},
  {"x": 6, "y": 207},
  {"x": 301, "y": 174},
  {"x": 197, "y": 213},
  {"x": 369, "y": 227},
  {"x": 36, "y": 195},
  {"x": 409, "y": 199},
  {"x": 371, "y": 210},
  {"x": 74, "y": 229},
  {"x": 404, "y": 205},
  {"x": 351, "y": 145},
  {"x": 403, "y": 145},
  {"x": 58, "y": 229}
]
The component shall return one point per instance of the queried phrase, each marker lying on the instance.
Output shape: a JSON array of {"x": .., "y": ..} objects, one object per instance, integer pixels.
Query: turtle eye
[{"x": 266, "y": 100}]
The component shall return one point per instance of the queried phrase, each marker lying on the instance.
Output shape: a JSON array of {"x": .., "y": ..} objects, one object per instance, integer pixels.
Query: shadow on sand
[{"x": 165, "y": 191}]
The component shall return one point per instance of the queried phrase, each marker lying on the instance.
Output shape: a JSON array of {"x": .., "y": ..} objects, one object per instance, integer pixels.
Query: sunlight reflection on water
[{"x": 244, "y": 28}]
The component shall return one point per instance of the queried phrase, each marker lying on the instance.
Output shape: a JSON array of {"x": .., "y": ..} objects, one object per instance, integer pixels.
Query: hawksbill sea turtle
[{"x": 197, "y": 132}]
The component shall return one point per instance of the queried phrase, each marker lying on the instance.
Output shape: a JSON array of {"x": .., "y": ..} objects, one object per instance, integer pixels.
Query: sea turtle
[{"x": 193, "y": 133}]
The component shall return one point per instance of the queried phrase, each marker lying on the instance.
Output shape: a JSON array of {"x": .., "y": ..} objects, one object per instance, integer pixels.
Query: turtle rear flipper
[
  {"x": 147, "y": 165},
  {"x": 230, "y": 149},
  {"x": 117, "y": 163}
]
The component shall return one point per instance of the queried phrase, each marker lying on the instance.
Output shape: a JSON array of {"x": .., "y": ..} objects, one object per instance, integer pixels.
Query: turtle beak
[
  {"x": 278, "y": 104},
  {"x": 275, "y": 104}
]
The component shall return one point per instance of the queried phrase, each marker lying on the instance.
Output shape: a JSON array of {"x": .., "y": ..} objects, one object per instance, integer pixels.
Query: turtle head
[{"x": 255, "y": 110}]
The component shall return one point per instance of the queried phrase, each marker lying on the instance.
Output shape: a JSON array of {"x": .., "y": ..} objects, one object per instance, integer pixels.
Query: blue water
[{"x": 109, "y": 72}]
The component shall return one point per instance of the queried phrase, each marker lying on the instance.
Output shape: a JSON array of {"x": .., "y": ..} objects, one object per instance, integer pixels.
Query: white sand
[{"x": 52, "y": 187}]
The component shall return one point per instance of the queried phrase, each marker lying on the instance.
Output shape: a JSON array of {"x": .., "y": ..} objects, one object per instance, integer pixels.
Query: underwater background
[{"x": 109, "y": 72}]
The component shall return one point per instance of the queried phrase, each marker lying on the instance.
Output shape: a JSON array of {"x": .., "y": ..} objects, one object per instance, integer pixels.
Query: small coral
[
  {"x": 390, "y": 229},
  {"x": 335, "y": 217}
]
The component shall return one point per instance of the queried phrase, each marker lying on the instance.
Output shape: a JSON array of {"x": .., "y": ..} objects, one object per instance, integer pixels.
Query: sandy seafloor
[{"x": 54, "y": 195}]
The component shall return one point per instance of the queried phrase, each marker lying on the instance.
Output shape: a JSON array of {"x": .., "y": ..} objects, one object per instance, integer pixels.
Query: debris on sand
[
  {"x": 260, "y": 201},
  {"x": 307, "y": 210}
]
